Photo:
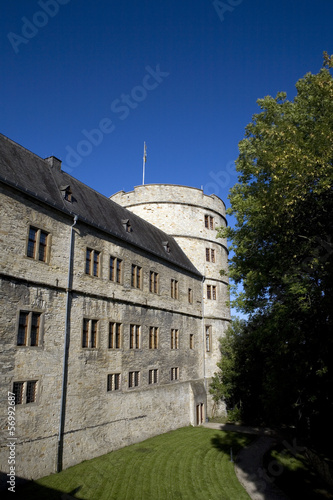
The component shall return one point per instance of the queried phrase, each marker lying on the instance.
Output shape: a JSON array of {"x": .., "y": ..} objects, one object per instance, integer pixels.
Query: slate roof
[{"x": 27, "y": 172}]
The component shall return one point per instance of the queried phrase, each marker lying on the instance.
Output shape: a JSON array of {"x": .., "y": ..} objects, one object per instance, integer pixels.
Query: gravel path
[{"x": 248, "y": 464}]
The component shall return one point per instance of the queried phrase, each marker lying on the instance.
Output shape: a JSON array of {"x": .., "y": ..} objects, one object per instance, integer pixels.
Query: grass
[
  {"x": 189, "y": 463},
  {"x": 296, "y": 478}
]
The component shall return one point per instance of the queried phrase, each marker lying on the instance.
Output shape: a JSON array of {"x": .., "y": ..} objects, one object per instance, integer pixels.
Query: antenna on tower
[{"x": 144, "y": 162}]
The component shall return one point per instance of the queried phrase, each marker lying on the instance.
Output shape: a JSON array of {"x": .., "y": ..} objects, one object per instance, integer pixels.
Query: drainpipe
[
  {"x": 204, "y": 340},
  {"x": 66, "y": 347}
]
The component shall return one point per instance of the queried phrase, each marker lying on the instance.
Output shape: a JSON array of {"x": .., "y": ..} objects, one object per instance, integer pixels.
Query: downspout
[
  {"x": 204, "y": 341},
  {"x": 66, "y": 347}
]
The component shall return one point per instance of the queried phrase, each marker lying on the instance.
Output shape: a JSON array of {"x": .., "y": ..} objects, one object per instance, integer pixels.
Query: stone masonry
[{"x": 93, "y": 395}]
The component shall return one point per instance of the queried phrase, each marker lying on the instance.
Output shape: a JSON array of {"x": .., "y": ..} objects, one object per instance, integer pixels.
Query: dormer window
[
  {"x": 166, "y": 246},
  {"x": 126, "y": 225},
  {"x": 66, "y": 193}
]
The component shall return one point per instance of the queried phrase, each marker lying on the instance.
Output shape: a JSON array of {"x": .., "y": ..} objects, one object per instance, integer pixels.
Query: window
[
  {"x": 191, "y": 341},
  {"x": 211, "y": 292},
  {"x": 116, "y": 269},
  {"x": 114, "y": 335},
  {"x": 25, "y": 392},
  {"x": 92, "y": 262},
  {"x": 153, "y": 337},
  {"x": 38, "y": 243},
  {"x": 136, "y": 276},
  {"x": 208, "y": 339},
  {"x": 153, "y": 376},
  {"x": 127, "y": 225},
  {"x": 210, "y": 255},
  {"x": 166, "y": 246},
  {"x": 190, "y": 296},
  {"x": 209, "y": 222},
  {"x": 113, "y": 382},
  {"x": 133, "y": 379},
  {"x": 89, "y": 333},
  {"x": 174, "y": 339},
  {"x": 174, "y": 289},
  {"x": 135, "y": 336},
  {"x": 153, "y": 282},
  {"x": 29, "y": 328},
  {"x": 175, "y": 373}
]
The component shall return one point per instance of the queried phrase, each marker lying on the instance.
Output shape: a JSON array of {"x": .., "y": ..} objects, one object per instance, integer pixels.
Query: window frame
[
  {"x": 115, "y": 335},
  {"x": 208, "y": 338},
  {"x": 154, "y": 282},
  {"x": 153, "y": 337},
  {"x": 153, "y": 376},
  {"x": 37, "y": 243},
  {"x": 174, "y": 373},
  {"x": 90, "y": 335},
  {"x": 133, "y": 379},
  {"x": 174, "y": 288},
  {"x": 28, "y": 328},
  {"x": 25, "y": 391},
  {"x": 135, "y": 336},
  {"x": 93, "y": 268},
  {"x": 211, "y": 292},
  {"x": 116, "y": 270},
  {"x": 113, "y": 383},
  {"x": 174, "y": 344},
  {"x": 136, "y": 276}
]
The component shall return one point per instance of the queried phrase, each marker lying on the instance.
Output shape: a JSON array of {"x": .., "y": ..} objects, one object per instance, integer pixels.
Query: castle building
[{"x": 111, "y": 312}]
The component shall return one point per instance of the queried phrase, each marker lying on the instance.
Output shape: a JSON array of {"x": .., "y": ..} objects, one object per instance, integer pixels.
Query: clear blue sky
[{"x": 70, "y": 66}]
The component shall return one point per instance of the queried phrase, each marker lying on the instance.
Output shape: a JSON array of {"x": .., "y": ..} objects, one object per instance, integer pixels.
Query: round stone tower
[{"x": 192, "y": 217}]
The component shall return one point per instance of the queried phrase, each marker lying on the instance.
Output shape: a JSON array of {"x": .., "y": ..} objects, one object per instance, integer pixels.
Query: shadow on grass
[
  {"x": 25, "y": 489},
  {"x": 226, "y": 441}
]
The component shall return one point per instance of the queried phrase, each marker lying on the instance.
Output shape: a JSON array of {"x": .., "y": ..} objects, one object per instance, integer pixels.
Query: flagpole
[{"x": 144, "y": 162}]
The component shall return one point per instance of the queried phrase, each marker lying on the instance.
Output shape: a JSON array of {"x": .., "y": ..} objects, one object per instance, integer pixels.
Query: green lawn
[{"x": 190, "y": 463}]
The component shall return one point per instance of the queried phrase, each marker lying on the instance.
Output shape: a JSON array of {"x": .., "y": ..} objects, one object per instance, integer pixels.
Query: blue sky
[{"x": 100, "y": 78}]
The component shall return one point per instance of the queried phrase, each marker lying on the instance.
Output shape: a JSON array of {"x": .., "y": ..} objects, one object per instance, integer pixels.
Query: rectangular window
[
  {"x": 191, "y": 341},
  {"x": 210, "y": 255},
  {"x": 92, "y": 262},
  {"x": 153, "y": 282},
  {"x": 37, "y": 244},
  {"x": 153, "y": 337},
  {"x": 25, "y": 392},
  {"x": 116, "y": 269},
  {"x": 89, "y": 333},
  {"x": 136, "y": 279},
  {"x": 174, "y": 339},
  {"x": 133, "y": 379},
  {"x": 113, "y": 382},
  {"x": 135, "y": 336},
  {"x": 29, "y": 329},
  {"x": 114, "y": 335},
  {"x": 190, "y": 296},
  {"x": 211, "y": 292},
  {"x": 174, "y": 289},
  {"x": 153, "y": 376},
  {"x": 208, "y": 330},
  {"x": 209, "y": 222},
  {"x": 175, "y": 373}
]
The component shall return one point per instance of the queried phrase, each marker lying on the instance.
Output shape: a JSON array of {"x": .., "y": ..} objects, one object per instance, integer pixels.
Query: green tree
[{"x": 283, "y": 247}]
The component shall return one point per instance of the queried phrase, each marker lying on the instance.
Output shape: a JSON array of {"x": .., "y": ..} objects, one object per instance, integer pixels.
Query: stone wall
[{"x": 96, "y": 420}]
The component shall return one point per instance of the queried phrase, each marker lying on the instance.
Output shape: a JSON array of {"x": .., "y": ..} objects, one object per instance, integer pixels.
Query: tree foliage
[{"x": 283, "y": 247}]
